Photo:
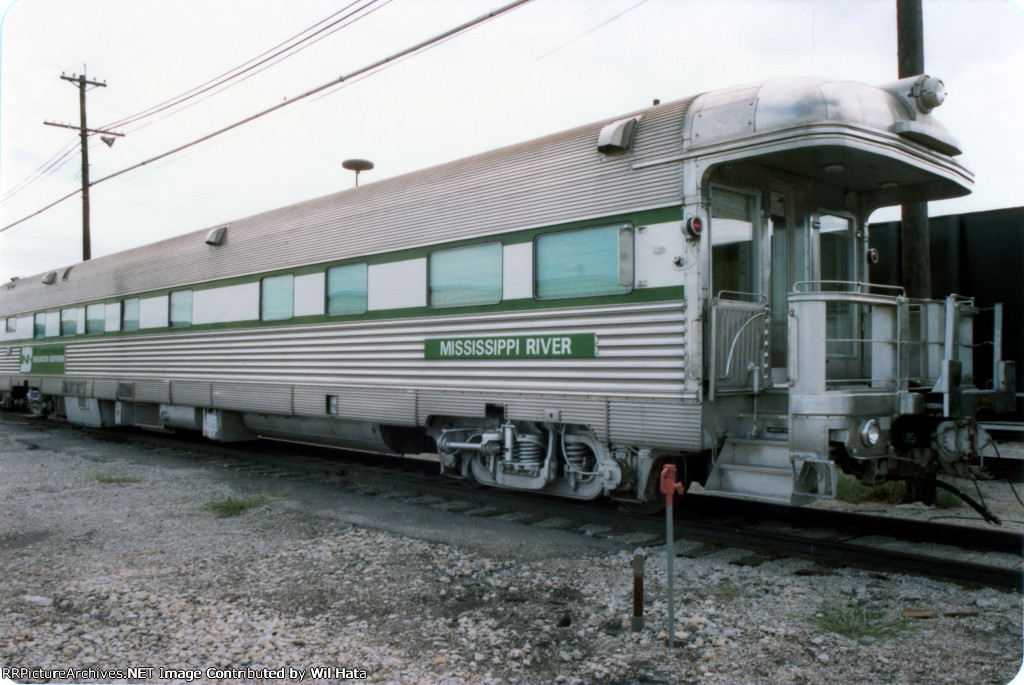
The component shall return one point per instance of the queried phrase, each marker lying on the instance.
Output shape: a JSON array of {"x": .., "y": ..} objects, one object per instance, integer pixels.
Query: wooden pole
[{"x": 914, "y": 234}]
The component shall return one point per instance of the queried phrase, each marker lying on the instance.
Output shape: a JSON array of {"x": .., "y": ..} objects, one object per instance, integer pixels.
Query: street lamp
[{"x": 357, "y": 165}]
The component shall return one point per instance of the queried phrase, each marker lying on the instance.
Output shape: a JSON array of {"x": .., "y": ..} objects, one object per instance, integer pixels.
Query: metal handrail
[
  {"x": 755, "y": 297},
  {"x": 858, "y": 287},
  {"x": 735, "y": 339},
  {"x": 859, "y": 295}
]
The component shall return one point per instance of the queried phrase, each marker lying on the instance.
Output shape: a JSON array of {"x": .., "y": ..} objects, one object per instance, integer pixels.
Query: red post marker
[{"x": 669, "y": 487}]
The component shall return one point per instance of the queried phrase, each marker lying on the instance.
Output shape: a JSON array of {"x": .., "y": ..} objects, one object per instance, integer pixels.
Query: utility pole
[
  {"x": 81, "y": 82},
  {"x": 914, "y": 234}
]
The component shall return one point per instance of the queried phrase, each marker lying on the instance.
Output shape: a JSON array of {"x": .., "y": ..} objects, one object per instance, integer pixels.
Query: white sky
[{"x": 545, "y": 67}]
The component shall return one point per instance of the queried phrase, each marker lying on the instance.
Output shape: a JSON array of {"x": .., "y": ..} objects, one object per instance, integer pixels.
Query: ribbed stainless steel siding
[
  {"x": 52, "y": 385},
  {"x": 554, "y": 179},
  {"x": 655, "y": 423},
  {"x": 151, "y": 391},
  {"x": 192, "y": 393},
  {"x": 377, "y": 370},
  {"x": 639, "y": 353},
  {"x": 10, "y": 362},
  {"x": 393, "y": 407},
  {"x": 79, "y": 387},
  {"x": 263, "y": 398},
  {"x": 434, "y": 403},
  {"x": 105, "y": 389}
]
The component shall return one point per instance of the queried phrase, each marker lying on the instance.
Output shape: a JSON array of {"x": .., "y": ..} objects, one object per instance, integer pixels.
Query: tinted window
[
  {"x": 733, "y": 245},
  {"x": 584, "y": 263},
  {"x": 181, "y": 308},
  {"x": 95, "y": 314},
  {"x": 346, "y": 290},
  {"x": 465, "y": 276},
  {"x": 277, "y": 297},
  {"x": 130, "y": 314},
  {"x": 39, "y": 326},
  {"x": 69, "y": 321}
]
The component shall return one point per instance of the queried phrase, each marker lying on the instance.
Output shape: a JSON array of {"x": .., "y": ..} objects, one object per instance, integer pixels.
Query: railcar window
[
  {"x": 39, "y": 325},
  {"x": 69, "y": 321},
  {"x": 181, "y": 308},
  {"x": 277, "y": 297},
  {"x": 12, "y": 324},
  {"x": 465, "y": 276},
  {"x": 733, "y": 252},
  {"x": 584, "y": 263},
  {"x": 346, "y": 290},
  {"x": 95, "y": 315},
  {"x": 130, "y": 314},
  {"x": 836, "y": 247}
]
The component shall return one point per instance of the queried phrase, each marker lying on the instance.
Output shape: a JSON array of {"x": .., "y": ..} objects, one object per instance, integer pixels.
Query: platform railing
[{"x": 849, "y": 336}]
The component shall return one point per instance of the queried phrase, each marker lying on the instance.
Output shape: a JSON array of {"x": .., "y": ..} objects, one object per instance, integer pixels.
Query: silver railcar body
[{"x": 550, "y": 315}]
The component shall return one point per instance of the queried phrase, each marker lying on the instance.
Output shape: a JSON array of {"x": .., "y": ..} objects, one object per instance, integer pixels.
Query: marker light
[
  {"x": 870, "y": 433},
  {"x": 694, "y": 226}
]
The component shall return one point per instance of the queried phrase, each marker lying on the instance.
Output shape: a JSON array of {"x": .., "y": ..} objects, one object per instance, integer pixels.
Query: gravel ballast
[{"x": 113, "y": 559}]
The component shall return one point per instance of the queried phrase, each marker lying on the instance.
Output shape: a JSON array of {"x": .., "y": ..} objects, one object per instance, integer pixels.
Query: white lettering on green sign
[
  {"x": 564, "y": 346},
  {"x": 42, "y": 359}
]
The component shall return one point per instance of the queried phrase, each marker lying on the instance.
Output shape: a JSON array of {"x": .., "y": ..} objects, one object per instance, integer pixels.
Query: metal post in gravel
[
  {"x": 669, "y": 488},
  {"x": 638, "y": 589}
]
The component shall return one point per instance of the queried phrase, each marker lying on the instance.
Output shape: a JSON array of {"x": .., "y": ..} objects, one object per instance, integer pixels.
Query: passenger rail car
[{"x": 685, "y": 284}]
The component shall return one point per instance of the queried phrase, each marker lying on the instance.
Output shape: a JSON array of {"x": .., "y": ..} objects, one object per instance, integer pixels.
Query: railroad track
[{"x": 703, "y": 524}]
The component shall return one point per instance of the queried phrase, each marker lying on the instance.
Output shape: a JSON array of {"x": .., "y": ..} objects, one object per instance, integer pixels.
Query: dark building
[{"x": 981, "y": 255}]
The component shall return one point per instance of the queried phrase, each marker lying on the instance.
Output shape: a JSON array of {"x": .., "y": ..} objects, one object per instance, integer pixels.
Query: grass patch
[
  {"x": 856, "y": 622},
  {"x": 947, "y": 500},
  {"x": 726, "y": 592},
  {"x": 115, "y": 478},
  {"x": 850, "y": 489},
  {"x": 982, "y": 473},
  {"x": 233, "y": 505}
]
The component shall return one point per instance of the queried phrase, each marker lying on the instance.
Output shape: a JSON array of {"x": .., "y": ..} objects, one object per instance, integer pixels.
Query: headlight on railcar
[{"x": 870, "y": 433}]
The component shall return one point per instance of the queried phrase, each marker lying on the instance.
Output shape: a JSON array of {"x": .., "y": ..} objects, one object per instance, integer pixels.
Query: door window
[
  {"x": 733, "y": 247},
  {"x": 789, "y": 266},
  {"x": 835, "y": 249}
]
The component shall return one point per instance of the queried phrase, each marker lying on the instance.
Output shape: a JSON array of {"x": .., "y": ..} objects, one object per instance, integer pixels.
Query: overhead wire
[
  {"x": 277, "y": 60},
  {"x": 418, "y": 47},
  {"x": 51, "y": 165},
  {"x": 294, "y": 45},
  {"x": 584, "y": 34},
  {"x": 295, "y": 48}
]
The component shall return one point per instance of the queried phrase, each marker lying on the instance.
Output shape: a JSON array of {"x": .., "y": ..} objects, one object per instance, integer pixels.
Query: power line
[
  {"x": 250, "y": 65},
  {"x": 55, "y": 162},
  {"x": 363, "y": 70},
  {"x": 585, "y": 33},
  {"x": 62, "y": 156},
  {"x": 277, "y": 60}
]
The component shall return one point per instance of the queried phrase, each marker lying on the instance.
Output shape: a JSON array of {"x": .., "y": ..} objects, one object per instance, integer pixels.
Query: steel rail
[{"x": 827, "y": 537}]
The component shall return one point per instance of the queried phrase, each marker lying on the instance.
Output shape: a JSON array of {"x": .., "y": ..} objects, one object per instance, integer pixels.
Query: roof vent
[
  {"x": 216, "y": 236},
  {"x": 50, "y": 278},
  {"x": 617, "y": 136}
]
